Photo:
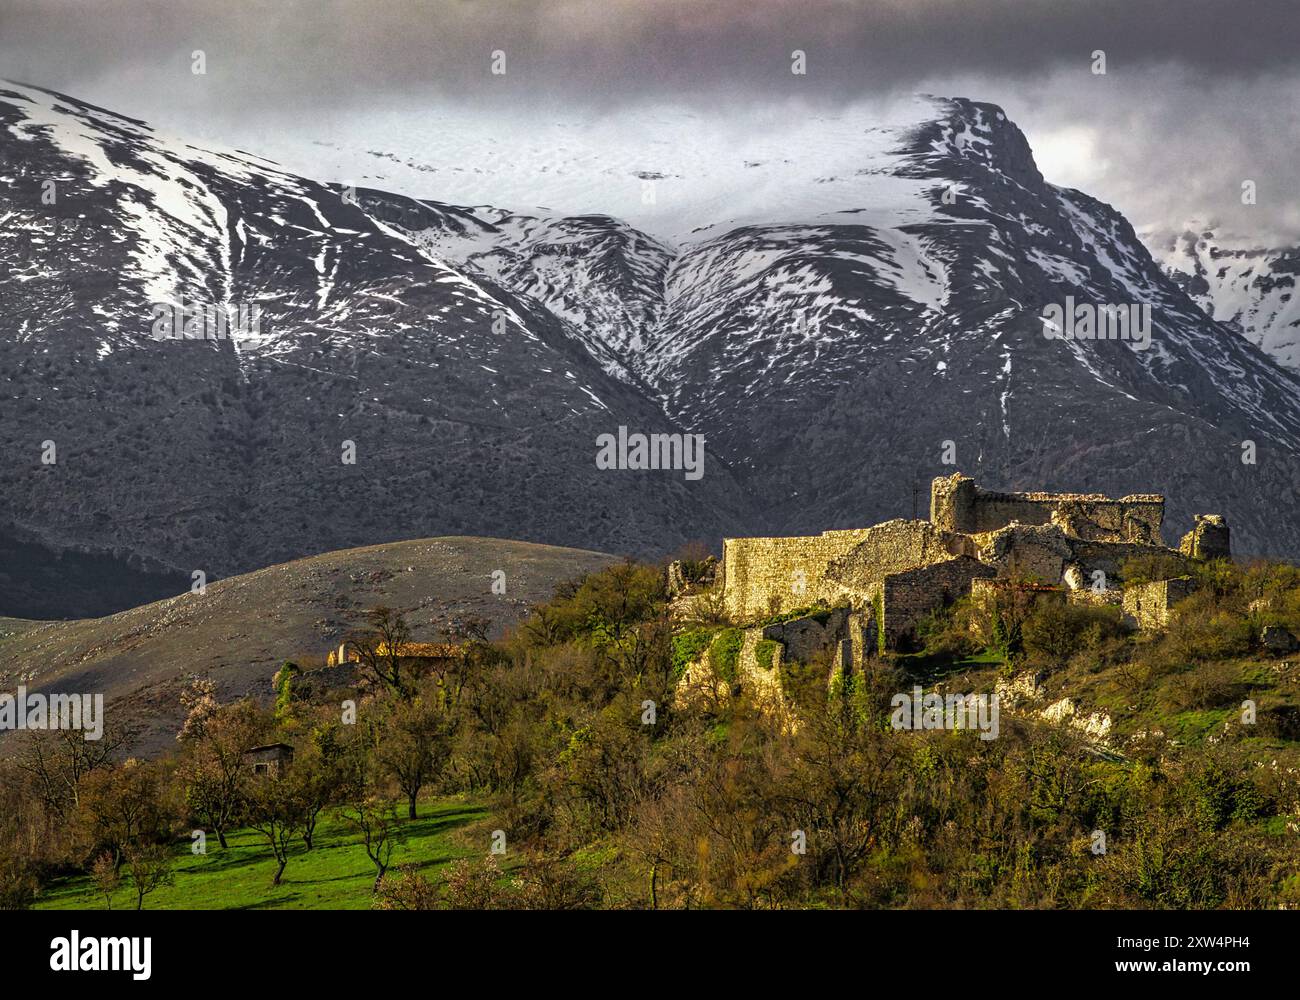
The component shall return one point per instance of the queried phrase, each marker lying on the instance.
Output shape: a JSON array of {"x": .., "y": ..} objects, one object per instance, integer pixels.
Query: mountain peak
[{"x": 845, "y": 293}]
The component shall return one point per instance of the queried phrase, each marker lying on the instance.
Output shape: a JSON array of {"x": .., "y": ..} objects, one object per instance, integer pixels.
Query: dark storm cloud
[
  {"x": 1198, "y": 94},
  {"x": 306, "y": 51}
]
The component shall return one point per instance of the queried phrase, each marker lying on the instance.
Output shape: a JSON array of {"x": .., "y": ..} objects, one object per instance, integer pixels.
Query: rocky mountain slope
[
  {"x": 830, "y": 348},
  {"x": 830, "y": 357},
  {"x": 243, "y": 628},
  {"x": 470, "y": 409},
  {"x": 1251, "y": 289}
]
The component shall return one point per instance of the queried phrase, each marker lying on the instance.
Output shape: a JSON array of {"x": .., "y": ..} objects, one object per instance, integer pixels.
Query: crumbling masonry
[{"x": 891, "y": 575}]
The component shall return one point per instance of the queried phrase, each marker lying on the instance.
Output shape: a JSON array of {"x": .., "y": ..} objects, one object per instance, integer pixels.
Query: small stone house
[{"x": 269, "y": 761}]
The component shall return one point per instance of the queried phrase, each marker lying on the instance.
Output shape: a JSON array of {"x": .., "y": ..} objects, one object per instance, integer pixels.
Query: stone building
[
  {"x": 1148, "y": 605},
  {"x": 269, "y": 761},
  {"x": 891, "y": 575}
]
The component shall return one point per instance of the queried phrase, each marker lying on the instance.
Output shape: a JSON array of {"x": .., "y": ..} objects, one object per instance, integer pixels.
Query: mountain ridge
[
  {"x": 474, "y": 354},
  {"x": 1245, "y": 285}
]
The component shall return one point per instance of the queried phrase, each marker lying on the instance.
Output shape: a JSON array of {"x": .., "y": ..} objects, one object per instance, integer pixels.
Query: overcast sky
[{"x": 1198, "y": 95}]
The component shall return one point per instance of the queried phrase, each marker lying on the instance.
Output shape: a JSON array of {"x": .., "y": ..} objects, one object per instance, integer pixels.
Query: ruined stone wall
[
  {"x": 1045, "y": 553},
  {"x": 892, "y": 547},
  {"x": 1208, "y": 539},
  {"x": 837, "y": 567},
  {"x": 1110, "y": 556},
  {"x": 1029, "y": 553},
  {"x": 1149, "y": 604},
  {"x": 1089, "y": 598},
  {"x": 860, "y": 644},
  {"x": 957, "y": 504},
  {"x": 952, "y": 503},
  {"x": 763, "y": 574},
  {"x": 763, "y": 684},
  {"x": 911, "y": 595},
  {"x": 1043, "y": 537},
  {"x": 805, "y": 638}
]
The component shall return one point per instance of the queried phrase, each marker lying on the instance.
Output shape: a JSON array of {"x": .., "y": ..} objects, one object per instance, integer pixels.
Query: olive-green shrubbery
[
  {"x": 1055, "y": 630},
  {"x": 613, "y": 791}
]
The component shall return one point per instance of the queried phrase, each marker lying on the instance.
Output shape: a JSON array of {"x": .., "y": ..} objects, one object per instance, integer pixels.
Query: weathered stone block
[
  {"x": 1148, "y": 605},
  {"x": 1208, "y": 539}
]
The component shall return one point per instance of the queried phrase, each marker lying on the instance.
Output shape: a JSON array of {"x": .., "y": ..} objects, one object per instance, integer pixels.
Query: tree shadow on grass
[{"x": 269, "y": 903}]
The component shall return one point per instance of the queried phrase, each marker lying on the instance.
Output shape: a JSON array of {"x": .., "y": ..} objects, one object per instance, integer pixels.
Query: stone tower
[
  {"x": 952, "y": 503},
  {"x": 1208, "y": 539}
]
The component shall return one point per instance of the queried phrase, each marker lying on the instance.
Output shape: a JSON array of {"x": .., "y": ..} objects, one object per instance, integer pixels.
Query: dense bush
[
  {"x": 1056, "y": 630},
  {"x": 1146, "y": 568},
  {"x": 949, "y": 631},
  {"x": 614, "y": 789},
  {"x": 724, "y": 653}
]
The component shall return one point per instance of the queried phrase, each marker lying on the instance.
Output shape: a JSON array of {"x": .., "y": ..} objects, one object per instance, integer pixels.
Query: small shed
[{"x": 269, "y": 761}]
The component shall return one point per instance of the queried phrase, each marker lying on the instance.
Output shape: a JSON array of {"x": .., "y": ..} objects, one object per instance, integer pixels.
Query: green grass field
[{"x": 334, "y": 875}]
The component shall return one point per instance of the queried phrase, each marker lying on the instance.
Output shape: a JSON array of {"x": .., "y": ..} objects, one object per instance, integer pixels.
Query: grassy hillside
[
  {"x": 334, "y": 875},
  {"x": 1127, "y": 769},
  {"x": 244, "y": 627}
]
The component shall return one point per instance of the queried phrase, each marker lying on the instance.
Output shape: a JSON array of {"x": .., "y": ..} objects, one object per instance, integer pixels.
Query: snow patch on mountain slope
[
  {"x": 169, "y": 207},
  {"x": 1247, "y": 287},
  {"x": 915, "y": 272}
]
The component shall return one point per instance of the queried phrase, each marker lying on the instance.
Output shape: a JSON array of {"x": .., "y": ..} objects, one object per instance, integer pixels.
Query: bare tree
[
  {"x": 59, "y": 759},
  {"x": 375, "y": 817},
  {"x": 150, "y": 868},
  {"x": 276, "y": 812},
  {"x": 378, "y": 646},
  {"x": 106, "y": 876}
]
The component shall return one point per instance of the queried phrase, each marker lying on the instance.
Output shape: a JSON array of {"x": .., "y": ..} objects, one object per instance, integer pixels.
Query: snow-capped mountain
[
  {"x": 830, "y": 346},
  {"x": 1251, "y": 289},
  {"x": 833, "y": 356},
  {"x": 383, "y": 394},
  {"x": 830, "y": 356}
]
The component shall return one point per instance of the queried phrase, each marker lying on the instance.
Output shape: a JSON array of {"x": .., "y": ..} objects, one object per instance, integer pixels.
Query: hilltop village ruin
[{"x": 881, "y": 581}]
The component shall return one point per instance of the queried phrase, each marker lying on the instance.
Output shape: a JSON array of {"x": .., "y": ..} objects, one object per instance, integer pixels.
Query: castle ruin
[
  {"x": 891, "y": 575},
  {"x": 958, "y": 504}
]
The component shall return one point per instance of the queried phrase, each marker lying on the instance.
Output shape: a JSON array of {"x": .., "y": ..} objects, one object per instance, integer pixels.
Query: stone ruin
[
  {"x": 958, "y": 504},
  {"x": 891, "y": 575},
  {"x": 1208, "y": 539}
]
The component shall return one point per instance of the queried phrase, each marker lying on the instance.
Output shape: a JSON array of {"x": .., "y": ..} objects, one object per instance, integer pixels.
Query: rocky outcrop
[
  {"x": 1023, "y": 694},
  {"x": 1278, "y": 640},
  {"x": 1208, "y": 539}
]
